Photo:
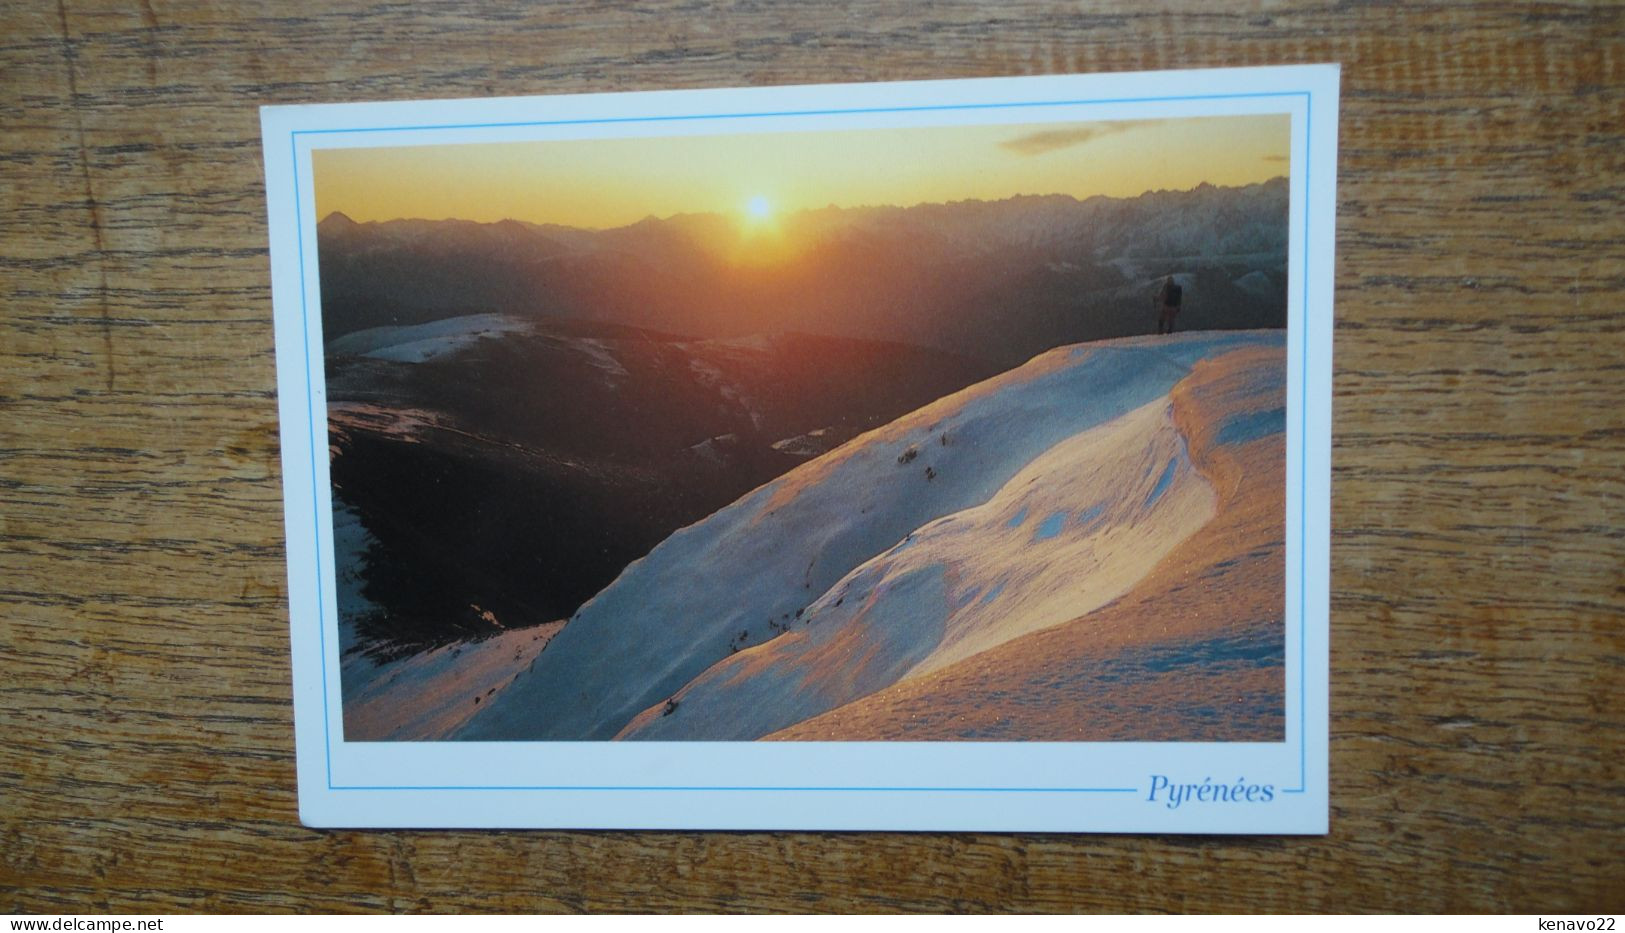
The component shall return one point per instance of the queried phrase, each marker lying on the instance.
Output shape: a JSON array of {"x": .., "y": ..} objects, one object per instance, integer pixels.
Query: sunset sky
[{"x": 610, "y": 183}]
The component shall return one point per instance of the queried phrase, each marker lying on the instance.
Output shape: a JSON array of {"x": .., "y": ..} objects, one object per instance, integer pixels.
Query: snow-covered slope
[
  {"x": 417, "y": 343},
  {"x": 777, "y": 558},
  {"x": 427, "y": 696},
  {"x": 1072, "y": 531},
  {"x": 423, "y": 696},
  {"x": 1195, "y": 651}
]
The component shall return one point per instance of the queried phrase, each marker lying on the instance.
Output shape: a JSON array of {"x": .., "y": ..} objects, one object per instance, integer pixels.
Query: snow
[
  {"x": 403, "y": 424},
  {"x": 427, "y": 696},
  {"x": 1115, "y": 498},
  {"x": 810, "y": 444},
  {"x": 1252, "y": 426},
  {"x": 1193, "y": 651},
  {"x": 1050, "y": 526},
  {"x": 424, "y": 696},
  {"x": 598, "y": 355},
  {"x": 1256, "y": 284},
  {"x": 1146, "y": 288},
  {"x": 351, "y": 542},
  {"x": 711, "y": 376},
  {"x": 741, "y": 576},
  {"x": 417, "y": 343},
  {"x": 715, "y": 449},
  {"x": 1131, "y": 269},
  {"x": 756, "y": 342}
]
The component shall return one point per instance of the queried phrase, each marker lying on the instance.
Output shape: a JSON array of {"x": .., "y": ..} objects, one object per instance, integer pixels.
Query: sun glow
[
  {"x": 761, "y": 181},
  {"x": 763, "y": 239}
]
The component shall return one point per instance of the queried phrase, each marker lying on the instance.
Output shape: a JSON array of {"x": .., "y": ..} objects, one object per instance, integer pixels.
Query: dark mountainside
[
  {"x": 518, "y": 411},
  {"x": 506, "y": 481},
  {"x": 999, "y": 280}
]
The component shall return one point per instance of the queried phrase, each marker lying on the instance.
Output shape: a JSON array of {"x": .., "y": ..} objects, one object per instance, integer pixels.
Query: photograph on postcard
[{"x": 921, "y": 433}]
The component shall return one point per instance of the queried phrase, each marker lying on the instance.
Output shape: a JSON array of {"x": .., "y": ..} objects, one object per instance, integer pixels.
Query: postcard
[{"x": 947, "y": 455}]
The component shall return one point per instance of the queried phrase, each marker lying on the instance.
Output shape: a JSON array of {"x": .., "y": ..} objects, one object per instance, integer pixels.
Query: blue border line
[
  {"x": 310, "y": 411},
  {"x": 754, "y": 115},
  {"x": 1303, "y": 460},
  {"x": 1303, "y": 467},
  {"x": 721, "y": 788}
]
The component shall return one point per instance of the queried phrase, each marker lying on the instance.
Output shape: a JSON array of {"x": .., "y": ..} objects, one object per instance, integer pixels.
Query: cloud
[{"x": 1050, "y": 140}]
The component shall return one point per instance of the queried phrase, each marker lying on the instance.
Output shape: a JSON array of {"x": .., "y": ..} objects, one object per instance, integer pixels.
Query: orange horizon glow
[{"x": 755, "y": 179}]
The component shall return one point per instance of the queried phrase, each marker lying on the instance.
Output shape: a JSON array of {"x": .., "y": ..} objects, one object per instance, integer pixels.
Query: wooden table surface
[{"x": 1478, "y": 568}]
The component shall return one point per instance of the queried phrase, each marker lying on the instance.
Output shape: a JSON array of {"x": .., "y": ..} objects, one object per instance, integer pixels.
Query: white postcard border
[{"x": 1028, "y": 786}]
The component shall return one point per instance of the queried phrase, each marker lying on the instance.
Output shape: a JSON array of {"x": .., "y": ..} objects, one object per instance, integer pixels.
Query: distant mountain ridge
[{"x": 1001, "y": 280}]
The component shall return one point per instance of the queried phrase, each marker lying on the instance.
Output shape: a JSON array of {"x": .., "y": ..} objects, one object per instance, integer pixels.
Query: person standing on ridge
[{"x": 1167, "y": 302}]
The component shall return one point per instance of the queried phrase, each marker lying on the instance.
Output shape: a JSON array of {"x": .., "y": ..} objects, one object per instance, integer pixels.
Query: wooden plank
[{"x": 1479, "y": 465}]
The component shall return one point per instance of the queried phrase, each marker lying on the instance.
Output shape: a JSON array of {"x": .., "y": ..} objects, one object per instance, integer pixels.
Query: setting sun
[{"x": 601, "y": 183}]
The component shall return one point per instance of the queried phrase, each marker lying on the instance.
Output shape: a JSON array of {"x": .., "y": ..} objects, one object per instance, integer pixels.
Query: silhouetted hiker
[{"x": 1167, "y": 302}]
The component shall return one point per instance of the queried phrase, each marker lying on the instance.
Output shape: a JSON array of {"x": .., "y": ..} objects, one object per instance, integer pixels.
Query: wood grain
[{"x": 1479, "y": 466}]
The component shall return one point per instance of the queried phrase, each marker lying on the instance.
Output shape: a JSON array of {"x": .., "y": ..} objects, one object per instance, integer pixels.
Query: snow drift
[{"x": 1014, "y": 505}]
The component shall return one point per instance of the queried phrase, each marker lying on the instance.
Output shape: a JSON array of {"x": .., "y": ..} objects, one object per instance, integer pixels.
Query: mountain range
[
  {"x": 551, "y": 446},
  {"x": 996, "y": 280}
]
